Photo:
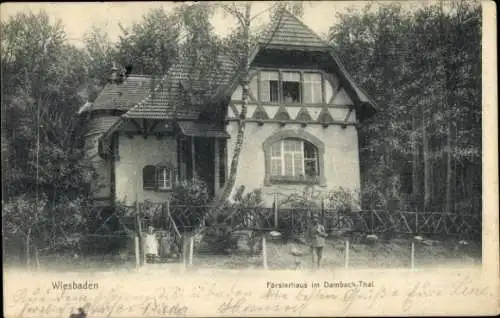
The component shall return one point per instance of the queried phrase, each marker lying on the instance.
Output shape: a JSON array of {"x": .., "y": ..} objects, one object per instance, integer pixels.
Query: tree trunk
[
  {"x": 229, "y": 184},
  {"x": 415, "y": 166},
  {"x": 449, "y": 170},
  {"x": 28, "y": 246},
  {"x": 425, "y": 152}
]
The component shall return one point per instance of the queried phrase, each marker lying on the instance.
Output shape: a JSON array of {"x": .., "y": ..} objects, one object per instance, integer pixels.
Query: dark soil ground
[{"x": 395, "y": 253}]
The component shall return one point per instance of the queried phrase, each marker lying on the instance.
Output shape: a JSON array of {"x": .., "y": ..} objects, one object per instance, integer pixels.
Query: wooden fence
[{"x": 183, "y": 218}]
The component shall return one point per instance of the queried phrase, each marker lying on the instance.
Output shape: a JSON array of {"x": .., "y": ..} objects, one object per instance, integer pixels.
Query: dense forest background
[{"x": 422, "y": 151}]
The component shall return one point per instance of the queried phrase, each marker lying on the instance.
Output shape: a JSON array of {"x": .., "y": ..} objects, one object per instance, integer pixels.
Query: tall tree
[
  {"x": 426, "y": 81},
  {"x": 100, "y": 53},
  {"x": 150, "y": 45},
  {"x": 41, "y": 134}
]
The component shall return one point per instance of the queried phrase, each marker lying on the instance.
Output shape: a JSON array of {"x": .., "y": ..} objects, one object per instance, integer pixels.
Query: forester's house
[{"x": 301, "y": 126}]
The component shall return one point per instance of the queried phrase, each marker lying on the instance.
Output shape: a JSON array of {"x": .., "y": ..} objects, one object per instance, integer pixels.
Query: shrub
[
  {"x": 190, "y": 192},
  {"x": 342, "y": 200},
  {"x": 245, "y": 211},
  {"x": 189, "y": 203}
]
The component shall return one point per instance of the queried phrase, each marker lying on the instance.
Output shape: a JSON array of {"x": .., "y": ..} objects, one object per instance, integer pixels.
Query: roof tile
[
  {"x": 178, "y": 94},
  {"x": 124, "y": 95},
  {"x": 289, "y": 30}
]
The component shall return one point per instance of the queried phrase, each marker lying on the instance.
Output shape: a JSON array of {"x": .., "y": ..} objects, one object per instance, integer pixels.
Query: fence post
[
  {"x": 275, "y": 208},
  {"x": 346, "y": 254},
  {"x": 139, "y": 232},
  {"x": 412, "y": 254},
  {"x": 322, "y": 210},
  {"x": 191, "y": 247},
  {"x": 36, "y": 257},
  {"x": 373, "y": 222},
  {"x": 264, "y": 252},
  {"x": 137, "y": 251},
  {"x": 416, "y": 222}
]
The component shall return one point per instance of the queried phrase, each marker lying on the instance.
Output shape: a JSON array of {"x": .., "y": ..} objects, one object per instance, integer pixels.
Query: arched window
[{"x": 294, "y": 157}]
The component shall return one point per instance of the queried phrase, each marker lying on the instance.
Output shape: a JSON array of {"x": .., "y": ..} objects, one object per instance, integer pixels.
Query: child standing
[
  {"x": 150, "y": 245},
  {"x": 317, "y": 235}
]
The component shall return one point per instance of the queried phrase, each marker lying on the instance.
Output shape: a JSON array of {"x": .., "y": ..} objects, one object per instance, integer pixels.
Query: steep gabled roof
[
  {"x": 288, "y": 30},
  {"x": 121, "y": 96},
  {"x": 176, "y": 95}
]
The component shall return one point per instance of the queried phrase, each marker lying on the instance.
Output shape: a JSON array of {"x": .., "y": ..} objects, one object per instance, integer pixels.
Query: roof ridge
[
  {"x": 276, "y": 24},
  {"x": 293, "y": 16}
]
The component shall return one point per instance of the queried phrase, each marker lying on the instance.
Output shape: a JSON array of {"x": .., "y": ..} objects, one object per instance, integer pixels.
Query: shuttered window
[
  {"x": 157, "y": 177},
  {"x": 164, "y": 177}
]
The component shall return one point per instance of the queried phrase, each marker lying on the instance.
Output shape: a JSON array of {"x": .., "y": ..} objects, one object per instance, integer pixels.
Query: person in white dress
[{"x": 151, "y": 245}]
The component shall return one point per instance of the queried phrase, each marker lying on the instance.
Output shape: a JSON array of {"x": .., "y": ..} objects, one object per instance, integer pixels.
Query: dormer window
[
  {"x": 312, "y": 89},
  {"x": 290, "y": 86}
]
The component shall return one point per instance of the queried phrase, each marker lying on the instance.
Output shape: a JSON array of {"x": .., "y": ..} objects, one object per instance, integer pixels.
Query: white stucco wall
[
  {"x": 341, "y": 158},
  {"x": 134, "y": 154}
]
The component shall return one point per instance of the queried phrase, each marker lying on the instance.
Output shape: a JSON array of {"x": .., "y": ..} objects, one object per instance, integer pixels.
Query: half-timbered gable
[{"x": 302, "y": 114}]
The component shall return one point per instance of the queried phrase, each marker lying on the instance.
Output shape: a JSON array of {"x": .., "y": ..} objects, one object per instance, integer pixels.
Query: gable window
[
  {"x": 269, "y": 86},
  {"x": 312, "y": 90},
  {"x": 157, "y": 177},
  {"x": 294, "y": 157},
  {"x": 289, "y": 87}
]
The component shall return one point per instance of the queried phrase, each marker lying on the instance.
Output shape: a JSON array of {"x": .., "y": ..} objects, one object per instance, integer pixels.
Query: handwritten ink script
[{"x": 240, "y": 298}]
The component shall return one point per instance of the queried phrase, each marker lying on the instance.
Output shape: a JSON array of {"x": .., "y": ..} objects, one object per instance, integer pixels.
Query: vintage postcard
[{"x": 278, "y": 158}]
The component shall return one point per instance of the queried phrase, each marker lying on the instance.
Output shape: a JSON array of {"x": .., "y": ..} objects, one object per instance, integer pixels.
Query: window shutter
[
  {"x": 265, "y": 85},
  {"x": 149, "y": 177}
]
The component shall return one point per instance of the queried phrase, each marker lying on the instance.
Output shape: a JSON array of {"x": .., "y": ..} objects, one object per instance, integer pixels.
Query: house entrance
[
  {"x": 202, "y": 154},
  {"x": 204, "y": 162},
  {"x": 203, "y": 158}
]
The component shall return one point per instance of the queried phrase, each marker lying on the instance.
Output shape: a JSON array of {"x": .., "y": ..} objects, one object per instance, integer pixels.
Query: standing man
[{"x": 317, "y": 235}]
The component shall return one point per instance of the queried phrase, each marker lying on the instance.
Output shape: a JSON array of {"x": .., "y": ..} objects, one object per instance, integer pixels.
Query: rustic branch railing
[{"x": 186, "y": 217}]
